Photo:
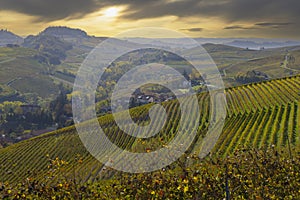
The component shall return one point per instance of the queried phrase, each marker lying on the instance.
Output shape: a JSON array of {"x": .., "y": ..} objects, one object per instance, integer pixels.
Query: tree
[{"x": 186, "y": 76}]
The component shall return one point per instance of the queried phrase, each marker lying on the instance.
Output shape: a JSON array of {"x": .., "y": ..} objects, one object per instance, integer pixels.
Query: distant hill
[
  {"x": 261, "y": 44},
  {"x": 65, "y": 33},
  {"x": 254, "y": 43},
  {"x": 209, "y": 47},
  {"x": 81, "y": 41},
  {"x": 51, "y": 49},
  {"x": 7, "y": 37}
]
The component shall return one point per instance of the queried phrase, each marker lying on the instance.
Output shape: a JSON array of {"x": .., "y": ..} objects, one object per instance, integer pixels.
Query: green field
[
  {"x": 20, "y": 72},
  {"x": 258, "y": 149},
  {"x": 18, "y": 67},
  {"x": 259, "y": 115}
]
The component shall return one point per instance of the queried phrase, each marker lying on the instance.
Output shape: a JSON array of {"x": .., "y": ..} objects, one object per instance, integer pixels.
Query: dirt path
[
  {"x": 11, "y": 81},
  {"x": 61, "y": 80},
  {"x": 286, "y": 62},
  {"x": 8, "y": 60}
]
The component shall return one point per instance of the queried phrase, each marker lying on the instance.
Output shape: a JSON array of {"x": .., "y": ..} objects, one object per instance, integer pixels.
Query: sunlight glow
[{"x": 111, "y": 12}]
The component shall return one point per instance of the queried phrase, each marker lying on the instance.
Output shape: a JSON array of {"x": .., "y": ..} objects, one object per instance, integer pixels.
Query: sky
[{"x": 195, "y": 18}]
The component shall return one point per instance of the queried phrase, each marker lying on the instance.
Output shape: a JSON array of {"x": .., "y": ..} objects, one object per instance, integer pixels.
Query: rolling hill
[
  {"x": 260, "y": 115},
  {"x": 21, "y": 72},
  {"x": 55, "y": 55},
  {"x": 7, "y": 37},
  {"x": 28, "y": 69}
]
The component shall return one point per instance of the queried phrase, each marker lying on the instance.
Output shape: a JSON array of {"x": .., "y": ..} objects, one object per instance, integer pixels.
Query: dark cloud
[
  {"x": 235, "y": 27},
  {"x": 272, "y": 24},
  {"x": 193, "y": 29},
  {"x": 230, "y": 11},
  {"x": 153, "y": 9},
  {"x": 259, "y": 26},
  {"x": 49, "y": 10}
]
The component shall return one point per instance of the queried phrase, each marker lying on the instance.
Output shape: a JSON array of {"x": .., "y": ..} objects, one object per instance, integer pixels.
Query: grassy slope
[
  {"x": 257, "y": 121},
  {"x": 22, "y": 73},
  {"x": 233, "y": 60},
  {"x": 16, "y": 65}
]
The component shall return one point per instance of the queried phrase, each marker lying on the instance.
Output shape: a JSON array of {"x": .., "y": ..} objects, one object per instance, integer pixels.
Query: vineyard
[
  {"x": 259, "y": 115},
  {"x": 275, "y": 125}
]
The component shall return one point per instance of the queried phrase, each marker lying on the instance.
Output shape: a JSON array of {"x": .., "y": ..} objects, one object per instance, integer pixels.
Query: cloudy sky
[{"x": 197, "y": 18}]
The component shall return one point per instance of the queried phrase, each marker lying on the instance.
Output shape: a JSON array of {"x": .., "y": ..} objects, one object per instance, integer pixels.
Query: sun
[{"x": 111, "y": 12}]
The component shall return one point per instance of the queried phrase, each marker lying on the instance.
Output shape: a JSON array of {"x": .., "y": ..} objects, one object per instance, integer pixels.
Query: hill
[
  {"x": 266, "y": 64},
  {"x": 51, "y": 49},
  {"x": 21, "y": 72},
  {"x": 7, "y": 37},
  {"x": 81, "y": 43},
  {"x": 77, "y": 37},
  {"x": 231, "y": 61},
  {"x": 29, "y": 69},
  {"x": 64, "y": 32},
  {"x": 259, "y": 115},
  {"x": 65, "y": 49},
  {"x": 59, "y": 51},
  {"x": 261, "y": 44}
]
